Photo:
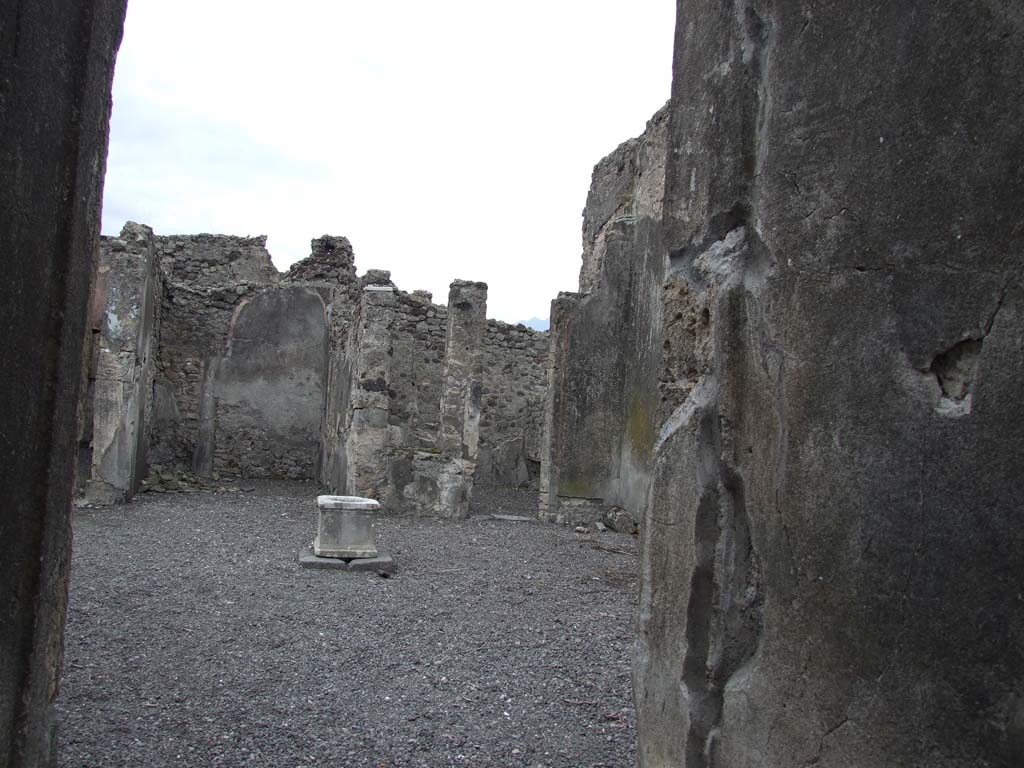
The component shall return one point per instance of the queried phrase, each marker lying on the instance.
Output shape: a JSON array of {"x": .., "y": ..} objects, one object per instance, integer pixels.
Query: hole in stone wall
[{"x": 956, "y": 370}]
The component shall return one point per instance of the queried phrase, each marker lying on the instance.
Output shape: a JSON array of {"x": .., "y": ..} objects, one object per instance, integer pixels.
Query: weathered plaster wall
[
  {"x": 245, "y": 354},
  {"x": 832, "y": 546},
  {"x": 57, "y": 61},
  {"x": 458, "y": 432},
  {"x": 205, "y": 278},
  {"x": 394, "y": 364},
  {"x": 331, "y": 263},
  {"x": 605, "y": 340},
  {"x": 515, "y": 369},
  {"x": 270, "y": 384},
  {"x": 398, "y": 338},
  {"x": 125, "y": 332}
]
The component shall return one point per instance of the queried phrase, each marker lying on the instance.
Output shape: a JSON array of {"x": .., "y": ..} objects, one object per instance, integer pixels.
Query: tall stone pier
[
  {"x": 57, "y": 65},
  {"x": 833, "y": 542},
  {"x": 369, "y": 399},
  {"x": 605, "y": 342},
  {"x": 126, "y": 327},
  {"x": 458, "y": 437},
  {"x": 459, "y": 428}
]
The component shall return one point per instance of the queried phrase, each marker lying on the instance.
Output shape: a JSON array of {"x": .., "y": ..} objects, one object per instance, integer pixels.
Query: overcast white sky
[{"x": 445, "y": 139}]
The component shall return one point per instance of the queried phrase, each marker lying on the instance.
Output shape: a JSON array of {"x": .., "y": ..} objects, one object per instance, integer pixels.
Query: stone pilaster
[
  {"x": 458, "y": 436},
  {"x": 366, "y": 442},
  {"x": 459, "y": 430},
  {"x": 124, "y": 364},
  {"x": 563, "y": 311}
]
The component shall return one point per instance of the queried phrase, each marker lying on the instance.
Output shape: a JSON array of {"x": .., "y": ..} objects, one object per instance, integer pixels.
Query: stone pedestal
[{"x": 346, "y": 527}]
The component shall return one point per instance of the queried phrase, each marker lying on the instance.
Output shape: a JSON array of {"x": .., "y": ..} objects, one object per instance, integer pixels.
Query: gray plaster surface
[
  {"x": 194, "y": 638},
  {"x": 832, "y": 546},
  {"x": 57, "y": 61}
]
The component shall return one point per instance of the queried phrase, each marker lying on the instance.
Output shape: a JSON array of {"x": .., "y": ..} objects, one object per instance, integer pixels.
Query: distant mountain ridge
[{"x": 537, "y": 323}]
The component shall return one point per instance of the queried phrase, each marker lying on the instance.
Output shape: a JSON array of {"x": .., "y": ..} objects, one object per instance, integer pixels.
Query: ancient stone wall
[
  {"x": 395, "y": 365},
  {"x": 270, "y": 384},
  {"x": 832, "y": 544},
  {"x": 605, "y": 342},
  {"x": 320, "y": 374},
  {"x": 125, "y": 329},
  {"x": 411, "y": 331},
  {"x": 206, "y": 278},
  {"x": 418, "y": 352},
  {"x": 364, "y": 460},
  {"x": 515, "y": 369},
  {"x": 57, "y": 61},
  {"x": 414, "y": 379},
  {"x": 243, "y": 355},
  {"x": 331, "y": 263}
]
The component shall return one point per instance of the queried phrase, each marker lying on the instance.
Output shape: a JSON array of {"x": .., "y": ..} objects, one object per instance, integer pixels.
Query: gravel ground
[{"x": 194, "y": 638}]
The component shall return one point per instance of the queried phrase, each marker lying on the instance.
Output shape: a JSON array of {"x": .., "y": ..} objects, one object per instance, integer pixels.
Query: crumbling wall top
[
  {"x": 331, "y": 260},
  {"x": 629, "y": 182},
  {"x": 206, "y": 259}
]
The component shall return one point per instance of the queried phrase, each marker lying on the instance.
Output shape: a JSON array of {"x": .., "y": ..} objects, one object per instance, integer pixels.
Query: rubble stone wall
[
  {"x": 398, "y": 352},
  {"x": 205, "y": 279},
  {"x": 515, "y": 369},
  {"x": 408, "y": 362},
  {"x": 331, "y": 265},
  {"x": 418, "y": 352},
  {"x": 367, "y": 398},
  {"x": 319, "y": 374},
  {"x": 831, "y": 550},
  {"x": 601, "y": 400},
  {"x": 395, "y": 350}
]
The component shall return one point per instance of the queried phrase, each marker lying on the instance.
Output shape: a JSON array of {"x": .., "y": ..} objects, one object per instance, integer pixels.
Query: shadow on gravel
[{"x": 194, "y": 638}]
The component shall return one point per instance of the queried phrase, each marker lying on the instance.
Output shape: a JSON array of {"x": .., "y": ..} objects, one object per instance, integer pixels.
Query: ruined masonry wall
[
  {"x": 125, "y": 325},
  {"x": 515, "y": 362},
  {"x": 258, "y": 374},
  {"x": 601, "y": 402},
  {"x": 206, "y": 277},
  {"x": 270, "y": 384},
  {"x": 408, "y": 360},
  {"x": 418, "y": 345}
]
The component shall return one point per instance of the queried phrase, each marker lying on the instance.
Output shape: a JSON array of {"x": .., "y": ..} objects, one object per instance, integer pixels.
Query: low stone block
[{"x": 382, "y": 564}]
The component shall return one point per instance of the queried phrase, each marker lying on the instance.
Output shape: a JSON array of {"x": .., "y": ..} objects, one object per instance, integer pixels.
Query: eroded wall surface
[
  {"x": 124, "y": 333},
  {"x": 514, "y": 383},
  {"x": 601, "y": 397},
  {"x": 205, "y": 278},
  {"x": 316, "y": 373},
  {"x": 57, "y": 61},
  {"x": 413, "y": 398},
  {"x": 244, "y": 354},
  {"x": 832, "y": 546},
  {"x": 270, "y": 384},
  {"x": 418, "y": 354}
]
